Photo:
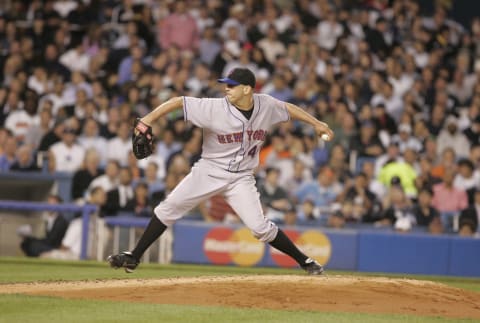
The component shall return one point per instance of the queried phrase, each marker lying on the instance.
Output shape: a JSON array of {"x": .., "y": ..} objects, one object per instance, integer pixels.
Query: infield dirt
[{"x": 327, "y": 293}]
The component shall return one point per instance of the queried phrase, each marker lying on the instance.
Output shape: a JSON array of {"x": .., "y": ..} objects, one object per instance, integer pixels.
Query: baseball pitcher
[{"x": 234, "y": 130}]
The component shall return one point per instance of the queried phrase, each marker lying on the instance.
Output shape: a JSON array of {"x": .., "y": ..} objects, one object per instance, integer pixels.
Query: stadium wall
[{"x": 367, "y": 251}]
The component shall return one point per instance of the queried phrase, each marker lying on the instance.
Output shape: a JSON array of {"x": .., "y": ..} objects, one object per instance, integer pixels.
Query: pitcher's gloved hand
[{"x": 142, "y": 140}]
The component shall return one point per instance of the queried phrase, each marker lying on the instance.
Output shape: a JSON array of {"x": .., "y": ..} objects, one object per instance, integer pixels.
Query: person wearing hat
[
  {"x": 235, "y": 128},
  {"x": 450, "y": 137},
  {"x": 405, "y": 140}
]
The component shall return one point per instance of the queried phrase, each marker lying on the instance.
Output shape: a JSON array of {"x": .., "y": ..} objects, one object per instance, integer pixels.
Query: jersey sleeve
[
  {"x": 278, "y": 109},
  {"x": 196, "y": 110}
]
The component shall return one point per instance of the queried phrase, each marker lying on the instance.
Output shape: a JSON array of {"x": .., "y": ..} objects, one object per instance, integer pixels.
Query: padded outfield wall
[{"x": 346, "y": 249}]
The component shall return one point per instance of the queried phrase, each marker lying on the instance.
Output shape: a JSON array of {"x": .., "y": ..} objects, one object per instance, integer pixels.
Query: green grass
[
  {"x": 16, "y": 270},
  {"x": 50, "y": 310},
  {"x": 21, "y": 308}
]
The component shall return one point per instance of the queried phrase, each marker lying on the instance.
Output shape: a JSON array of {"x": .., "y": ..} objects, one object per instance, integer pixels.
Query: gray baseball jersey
[
  {"x": 230, "y": 140},
  {"x": 231, "y": 144}
]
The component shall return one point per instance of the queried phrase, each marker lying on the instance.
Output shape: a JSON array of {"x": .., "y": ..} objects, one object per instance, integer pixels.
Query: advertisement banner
[{"x": 235, "y": 245}]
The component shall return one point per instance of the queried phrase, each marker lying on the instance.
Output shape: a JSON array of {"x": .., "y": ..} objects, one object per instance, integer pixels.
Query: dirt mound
[{"x": 327, "y": 293}]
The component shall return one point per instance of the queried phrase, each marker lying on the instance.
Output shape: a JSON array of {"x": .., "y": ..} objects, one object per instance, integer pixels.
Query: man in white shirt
[
  {"x": 76, "y": 59},
  {"x": 91, "y": 139},
  {"x": 20, "y": 120},
  {"x": 119, "y": 146},
  {"x": 108, "y": 181},
  {"x": 66, "y": 155},
  {"x": 71, "y": 246},
  {"x": 451, "y": 137}
]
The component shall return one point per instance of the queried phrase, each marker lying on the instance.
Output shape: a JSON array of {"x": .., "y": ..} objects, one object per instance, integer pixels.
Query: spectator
[
  {"x": 300, "y": 175},
  {"x": 9, "y": 154},
  {"x": 90, "y": 139},
  {"x": 421, "y": 70},
  {"x": 374, "y": 185},
  {"x": 450, "y": 137},
  {"x": 467, "y": 228},
  {"x": 83, "y": 177},
  {"x": 20, "y": 120},
  {"x": 271, "y": 46},
  {"x": 154, "y": 183},
  {"x": 280, "y": 90},
  {"x": 361, "y": 202},
  {"x": 121, "y": 198},
  {"x": 274, "y": 198},
  {"x": 323, "y": 191},
  {"x": 338, "y": 164},
  {"x": 119, "y": 146},
  {"x": 25, "y": 161},
  {"x": 366, "y": 143},
  {"x": 405, "y": 140},
  {"x": 448, "y": 200},
  {"x": 328, "y": 31},
  {"x": 135, "y": 169},
  {"x": 241, "y": 60},
  {"x": 209, "y": 46},
  {"x": 109, "y": 180},
  {"x": 35, "y": 132},
  {"x": 129, "y": 37},
  {"x": 470, "y": 217},
  {"x": 425, "y": 179},
  {"x": 71, "y": 245},
  {"x": 53, "y": 136},
  {"x": 391, "y": 155},
  {"x": 383, "y": 120},
  {"x": 55, "y": 227},
  {"x": 399, "y": 211},
  {"x": 77, "y": 82},
  {"x": 66, "y": 155},
  {"x": 125, "y": 67},
  {"x": 402, "y": 171},
  {"x": 52, "y": 63},
  {"x": 179, "y": 29},
  {"x": 467, "y": 178},
  {"x": 424, "y": 213},
  {"x": 447, "y": 161},
  {"x": 142, "y": 205},
  {"x": 307, "y": 214},
  {"x": 76, "y": 59},
  {"x": 473, "y": 132},
  {"x": 39, "y": 82}
]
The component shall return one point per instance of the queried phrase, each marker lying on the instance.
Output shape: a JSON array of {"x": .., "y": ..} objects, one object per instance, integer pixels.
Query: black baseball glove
[{"x": 142, "y": 140}]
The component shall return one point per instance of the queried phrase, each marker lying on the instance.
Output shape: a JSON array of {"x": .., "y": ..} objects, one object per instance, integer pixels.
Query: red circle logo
[{"x": 214, "y": 245}]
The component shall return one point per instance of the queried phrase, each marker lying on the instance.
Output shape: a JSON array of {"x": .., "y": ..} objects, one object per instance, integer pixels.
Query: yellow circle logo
[
  {"x": 249, "y": 250},
  {"x": 313, "y": 243},
  {"x": 316, "y": 245}
]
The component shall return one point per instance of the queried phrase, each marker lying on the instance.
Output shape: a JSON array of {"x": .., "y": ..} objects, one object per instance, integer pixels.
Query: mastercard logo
[
  {"x": 313, "y": 243},
  {"x": 224, "y": 246}
]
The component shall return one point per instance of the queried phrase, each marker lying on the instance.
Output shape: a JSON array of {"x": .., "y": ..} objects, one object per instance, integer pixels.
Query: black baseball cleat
[
  {"x": 123, "y": 260},
  {"x": 312, "y": 267}
]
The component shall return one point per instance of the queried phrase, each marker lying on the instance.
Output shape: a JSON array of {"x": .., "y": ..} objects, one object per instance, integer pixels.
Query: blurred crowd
[{"x": 399, "y": 86}]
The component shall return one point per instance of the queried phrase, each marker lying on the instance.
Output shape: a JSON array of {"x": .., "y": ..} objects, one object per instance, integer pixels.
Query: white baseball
[{"x": 325, "y": 137}]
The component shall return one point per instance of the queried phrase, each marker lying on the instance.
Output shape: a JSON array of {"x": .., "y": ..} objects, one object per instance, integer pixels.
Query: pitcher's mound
[{"x": 324, "y": 293}]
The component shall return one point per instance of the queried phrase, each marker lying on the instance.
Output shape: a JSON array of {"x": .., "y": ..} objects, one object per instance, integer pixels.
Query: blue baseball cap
[{"x": 239, "y": 76}]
